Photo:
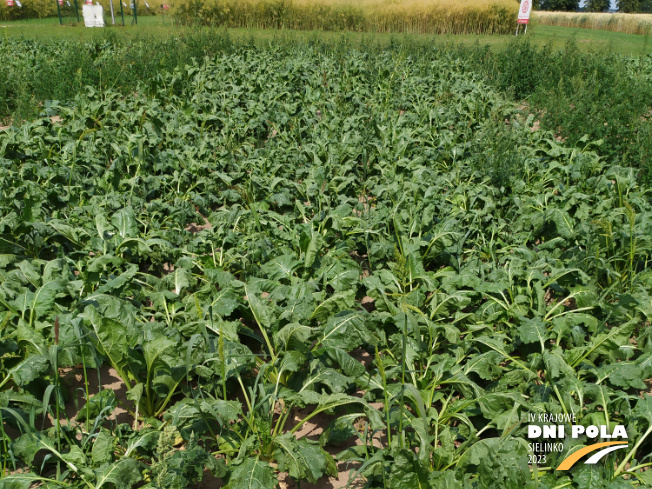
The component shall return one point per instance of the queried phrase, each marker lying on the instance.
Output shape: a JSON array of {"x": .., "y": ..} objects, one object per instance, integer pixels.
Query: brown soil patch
[
  {"x": 55, "y": 119},
  {"x": 73, "y": 380},
  {"x": 648, "y": 391},
  {"x": 363, "y": 261},
  {"x": 339, "y": 482},
  {"x": 363, "y": 357},
  {"x": 368, "y": 303},
  {"x": 523, "y": 107},
  {"x": 271, "y": 135},
  {"x": 367, "y": 204},
  {"x": 209, "y": 481},
  {"x": 313, "y": 429},
  {"x": 193, "y": 227}
]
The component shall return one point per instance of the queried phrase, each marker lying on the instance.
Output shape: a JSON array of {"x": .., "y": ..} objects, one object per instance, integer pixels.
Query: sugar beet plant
[{"x": 280, "y": 235}]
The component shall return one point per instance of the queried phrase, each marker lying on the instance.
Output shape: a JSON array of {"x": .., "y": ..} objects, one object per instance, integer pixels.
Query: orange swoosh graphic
[{"x": 575, "y": 456}]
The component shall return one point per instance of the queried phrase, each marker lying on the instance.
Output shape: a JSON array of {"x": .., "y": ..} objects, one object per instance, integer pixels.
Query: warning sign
[
  {"x": 10, "y": 3},
  {"x": 524, "y": 11}
]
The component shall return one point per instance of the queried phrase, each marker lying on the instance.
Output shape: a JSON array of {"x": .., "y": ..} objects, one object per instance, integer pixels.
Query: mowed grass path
[{"x": 162, "y": 26}]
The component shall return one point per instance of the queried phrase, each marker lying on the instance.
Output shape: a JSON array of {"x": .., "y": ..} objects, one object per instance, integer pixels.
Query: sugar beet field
[{"x": 292, "y": 266}]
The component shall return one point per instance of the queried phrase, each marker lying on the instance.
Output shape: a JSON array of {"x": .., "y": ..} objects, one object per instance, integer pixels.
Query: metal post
[
  {"x": 525, "y": 29},
  {"x": 77, "y": 10},
  {"x": 112, "y": 14},
  {"x": 517, "y": 26},
  {"x": 135, "y": 12},
  {"x": 59, "y": 12},
  {"x": 122, "y": 13}
]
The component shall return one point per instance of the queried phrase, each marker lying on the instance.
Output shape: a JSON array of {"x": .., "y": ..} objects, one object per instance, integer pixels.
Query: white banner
[
  {"x": 93, "y": 15},
  {"x": 524, "y": 11}
]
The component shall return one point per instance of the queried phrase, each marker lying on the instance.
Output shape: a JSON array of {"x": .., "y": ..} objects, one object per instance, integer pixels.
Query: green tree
[
  {"x": 629, "y": 6},
  {"x": 597, "y": 5},
  {"x": 567, "y": 5}
]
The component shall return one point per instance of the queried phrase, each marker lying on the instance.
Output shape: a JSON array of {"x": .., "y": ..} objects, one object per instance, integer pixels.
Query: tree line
[{"x": 624, "y": 6}]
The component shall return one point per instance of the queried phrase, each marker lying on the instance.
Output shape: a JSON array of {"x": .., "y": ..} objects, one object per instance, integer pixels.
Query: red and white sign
[
  {"x": 524, "y": 11},
  {"x": 89, "y": 2},
  {"x": 60, "y": 2},
  {"x": 10, "y": 3}
]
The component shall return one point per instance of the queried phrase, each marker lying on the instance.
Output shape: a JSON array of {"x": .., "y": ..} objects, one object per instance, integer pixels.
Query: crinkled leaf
[
  {"x": 119, "y": 281},
  {"x": 123, "y": 474},
  {"x": 125, "y": 222},
  {"x": 303, "y": 460},
  {"x": 280, "y": 267},
  {"x": 33, "y": 367},
  {"x": 102, "y": 450},
  {"x": 347, "y": 330},
  {"x": 252, "y": 474}
]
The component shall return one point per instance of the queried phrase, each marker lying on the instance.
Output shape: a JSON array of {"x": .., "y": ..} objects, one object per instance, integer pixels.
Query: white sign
[
  {"x": 524, "y": 11},
  {"x": 93, "y": 15}
]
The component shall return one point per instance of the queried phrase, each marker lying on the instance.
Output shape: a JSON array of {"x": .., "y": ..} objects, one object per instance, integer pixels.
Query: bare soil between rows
[{"x": 72, "y": 380}]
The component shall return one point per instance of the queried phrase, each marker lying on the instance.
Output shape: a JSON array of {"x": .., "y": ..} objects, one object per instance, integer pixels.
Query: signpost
[
  {"x": 524, "y": 14},
  {"x": 10, "y": 3},
  {"x": 60, "y": 4}
]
